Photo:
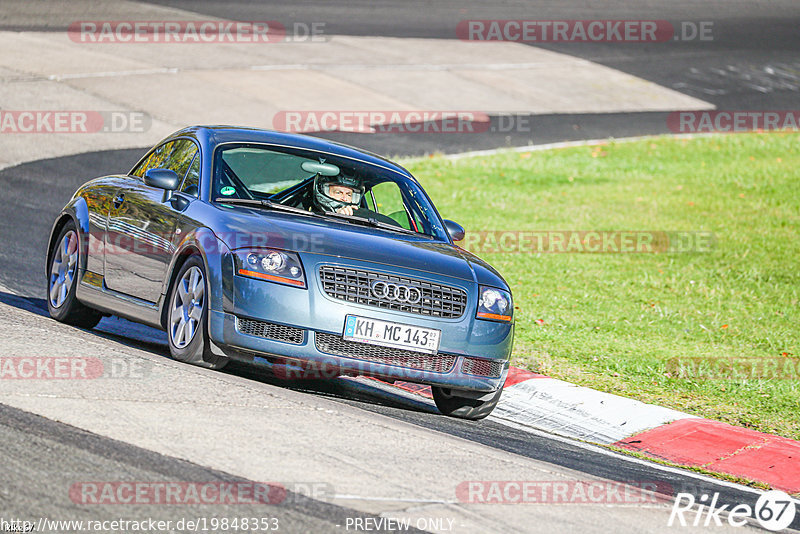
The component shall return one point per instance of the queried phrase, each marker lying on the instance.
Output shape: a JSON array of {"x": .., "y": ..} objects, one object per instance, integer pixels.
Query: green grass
[{"x": 614, "y": 321}]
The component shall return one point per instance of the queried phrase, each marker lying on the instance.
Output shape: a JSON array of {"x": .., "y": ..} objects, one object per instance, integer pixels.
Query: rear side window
[{"x": 173, "y": 155}]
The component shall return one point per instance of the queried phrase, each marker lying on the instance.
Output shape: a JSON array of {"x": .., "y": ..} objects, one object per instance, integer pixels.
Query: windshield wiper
[
  {"x": 371, "y": 221},
  {"x": 256, "y": 203}
]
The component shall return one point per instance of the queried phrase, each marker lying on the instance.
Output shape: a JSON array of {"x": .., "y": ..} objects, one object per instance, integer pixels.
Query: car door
[{"x": 141, "y": 226}]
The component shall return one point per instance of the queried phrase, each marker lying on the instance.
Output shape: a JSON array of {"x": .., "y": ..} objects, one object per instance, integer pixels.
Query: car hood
[{"x": 244, "y": 227}]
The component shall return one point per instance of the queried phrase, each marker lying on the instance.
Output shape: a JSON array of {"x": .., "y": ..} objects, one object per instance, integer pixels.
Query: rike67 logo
[{"x": 774, "y": 510}]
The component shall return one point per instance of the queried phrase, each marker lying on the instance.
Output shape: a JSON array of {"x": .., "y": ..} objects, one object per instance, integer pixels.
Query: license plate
[{"x": 396, "y": 335}]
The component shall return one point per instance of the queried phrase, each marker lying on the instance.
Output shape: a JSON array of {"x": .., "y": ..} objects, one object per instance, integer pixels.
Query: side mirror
[
  {"x": 455, "y": 230},
  {"x": 162, "y": 179},
  {"x": 165, "y": 179}
]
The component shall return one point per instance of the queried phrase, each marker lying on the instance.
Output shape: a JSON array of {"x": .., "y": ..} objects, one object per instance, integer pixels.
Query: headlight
[
  {"x": 494, "y": 304},
  {"x": 269, "y": 264}
]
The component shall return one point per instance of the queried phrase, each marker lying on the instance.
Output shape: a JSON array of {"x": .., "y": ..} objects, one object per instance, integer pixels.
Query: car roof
[{"x": 216, "y": 135}]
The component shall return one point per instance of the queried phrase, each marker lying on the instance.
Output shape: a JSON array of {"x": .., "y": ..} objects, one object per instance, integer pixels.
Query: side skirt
[{"x": 92, "y": 291}]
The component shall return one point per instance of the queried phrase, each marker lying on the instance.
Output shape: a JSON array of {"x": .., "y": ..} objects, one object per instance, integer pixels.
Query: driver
[{"x": 341, "y": 193}]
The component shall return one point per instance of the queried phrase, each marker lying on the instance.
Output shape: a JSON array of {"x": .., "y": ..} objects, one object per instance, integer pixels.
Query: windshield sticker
[{"x": 227, "y": 191}]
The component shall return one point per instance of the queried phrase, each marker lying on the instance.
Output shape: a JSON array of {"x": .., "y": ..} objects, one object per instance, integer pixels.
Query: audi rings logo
[{"x": 396, "y": 292}]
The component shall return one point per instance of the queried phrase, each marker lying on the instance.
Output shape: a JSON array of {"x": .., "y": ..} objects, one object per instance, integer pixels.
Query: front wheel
[
  {"x": 451, "y": 403},
  {"x": 188, "y": 316},
  {"x": 62, "y": 281}
]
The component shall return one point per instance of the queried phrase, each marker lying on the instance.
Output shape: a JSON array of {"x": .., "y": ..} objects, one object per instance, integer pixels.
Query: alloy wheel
[
  {"x": 187, "y": 307},
  {"x": 62, "y": 270}
]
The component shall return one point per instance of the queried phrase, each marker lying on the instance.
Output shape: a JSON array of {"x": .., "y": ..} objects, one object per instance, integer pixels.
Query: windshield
[{"x": 308, "y": 180}]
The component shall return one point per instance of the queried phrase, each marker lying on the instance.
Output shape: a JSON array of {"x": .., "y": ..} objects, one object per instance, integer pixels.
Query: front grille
[
  {"x": 478, "y": 367},
  {"x": 353, "y": 285},
  {"x": 335, "y": 345},
  {"x": 277, "y": 332}
]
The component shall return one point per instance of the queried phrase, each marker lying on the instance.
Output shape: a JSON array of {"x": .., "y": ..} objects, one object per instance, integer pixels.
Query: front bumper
[{"x": 468, "y": 348}]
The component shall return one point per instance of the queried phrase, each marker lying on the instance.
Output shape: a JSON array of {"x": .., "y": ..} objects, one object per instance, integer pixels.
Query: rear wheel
[
  {"x": 62, "y": 281},
  {"x": 451, "y": 403},
  {"x": 188, "y": 316}
]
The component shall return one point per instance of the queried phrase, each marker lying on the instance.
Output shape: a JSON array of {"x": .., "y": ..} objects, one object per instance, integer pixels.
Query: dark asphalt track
[
  {"x": 43, "y": 459},
  {"x": 752, "y": 63}
]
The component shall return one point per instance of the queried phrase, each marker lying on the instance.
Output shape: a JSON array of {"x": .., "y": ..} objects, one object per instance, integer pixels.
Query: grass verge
[{"x": 713, "y": 331}]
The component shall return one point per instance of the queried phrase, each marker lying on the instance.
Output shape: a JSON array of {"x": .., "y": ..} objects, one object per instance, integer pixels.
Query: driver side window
[
  {"x": 174, "y": 155},
  {"x": 155, "y": 160},
  {"x": 386, "y": 198}
]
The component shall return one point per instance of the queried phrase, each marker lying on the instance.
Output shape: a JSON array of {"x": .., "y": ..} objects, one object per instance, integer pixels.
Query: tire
[
  {"x": 187, "y": 317},
  {"x": 451, "y": 404},
  {"x": 63, "y": 268}
]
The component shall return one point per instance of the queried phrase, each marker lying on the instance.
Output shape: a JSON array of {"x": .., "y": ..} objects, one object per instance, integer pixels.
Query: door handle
[{"x": 118, "y": 200}]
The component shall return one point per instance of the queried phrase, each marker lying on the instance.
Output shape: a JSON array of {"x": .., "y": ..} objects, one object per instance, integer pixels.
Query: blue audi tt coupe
[{"x": 268, "y": 247}]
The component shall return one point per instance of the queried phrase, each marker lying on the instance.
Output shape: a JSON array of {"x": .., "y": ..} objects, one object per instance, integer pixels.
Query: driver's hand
[{"x": 345, "y": 210}]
